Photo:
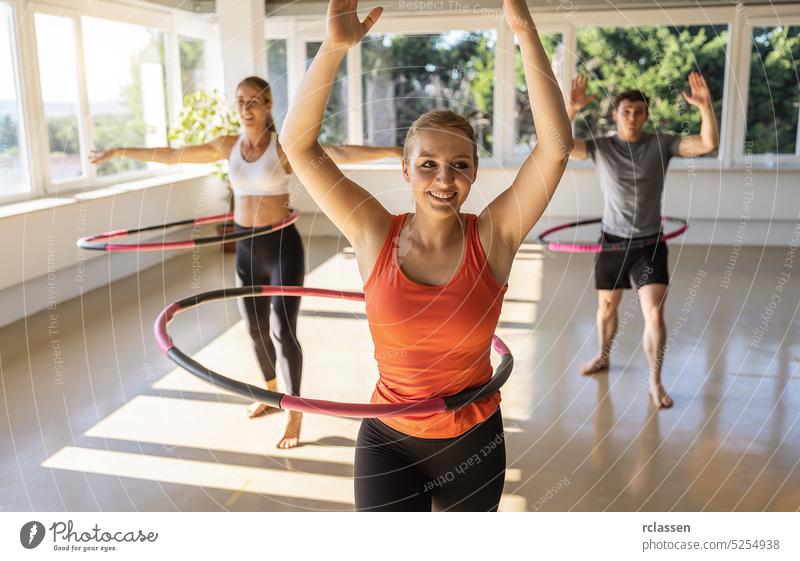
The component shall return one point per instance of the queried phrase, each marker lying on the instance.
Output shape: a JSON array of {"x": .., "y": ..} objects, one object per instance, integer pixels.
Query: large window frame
[
  {"x": 297, "y": 30},
  {"x": 171, "y": 23}
]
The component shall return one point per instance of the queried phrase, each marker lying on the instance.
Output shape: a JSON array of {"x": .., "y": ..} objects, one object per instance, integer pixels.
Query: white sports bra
[{"x": 265, "y": 176}]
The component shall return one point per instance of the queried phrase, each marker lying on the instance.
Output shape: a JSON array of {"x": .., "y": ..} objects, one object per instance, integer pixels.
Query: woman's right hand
[
  {"x": 343, "y": 28},
  {"x": 577, "y": 95},
  {"x": 99, "y": 156}
]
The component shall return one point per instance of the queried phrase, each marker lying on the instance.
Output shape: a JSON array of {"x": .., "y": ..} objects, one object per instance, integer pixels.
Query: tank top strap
[
  {"x": 386, "y": 255},
  {"x": 236, "y": 152},
  {"x": 474, "y": 249}
]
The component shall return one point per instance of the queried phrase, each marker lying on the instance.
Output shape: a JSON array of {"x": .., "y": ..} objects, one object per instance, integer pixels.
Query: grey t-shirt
[{"x": 632, "y": 179}]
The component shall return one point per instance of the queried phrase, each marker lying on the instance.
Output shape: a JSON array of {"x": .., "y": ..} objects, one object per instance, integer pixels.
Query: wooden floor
[{"x": 94, "y": 417}]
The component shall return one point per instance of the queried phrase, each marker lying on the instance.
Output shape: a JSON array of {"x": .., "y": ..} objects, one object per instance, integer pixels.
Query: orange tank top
[{"x": 433, "y": 341}]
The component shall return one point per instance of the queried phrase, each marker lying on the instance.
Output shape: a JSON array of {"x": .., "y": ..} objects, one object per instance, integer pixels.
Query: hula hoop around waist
[
  {"x": 296, "y": 403},
  {"x": 99, "y": 241},
  {"x": 633, "y": 243}
]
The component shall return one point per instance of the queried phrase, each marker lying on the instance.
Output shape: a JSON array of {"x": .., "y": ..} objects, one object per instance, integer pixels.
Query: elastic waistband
[{"x": 621, "y": 239}]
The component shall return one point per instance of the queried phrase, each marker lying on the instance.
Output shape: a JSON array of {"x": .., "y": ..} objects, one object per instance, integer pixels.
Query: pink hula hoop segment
[
  {"x": 296, "y": 403},
  {"x": 99, "y": 241},
  {"x": 603, "y": 247}
]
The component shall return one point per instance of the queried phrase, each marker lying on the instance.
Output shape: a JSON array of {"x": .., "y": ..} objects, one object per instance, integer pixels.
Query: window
[
  {"x": 126, "y": 84},
  {"x": 405, "y": 76},
  {"x": 13, "y": 164},
  {"x": 277, "y": 68},
  {"x": 55, "y": 45},
  {"x": 334, "y": 123},
  {"x": 524, "y": 132},
  {"x": 656, "y": 60},
  {"x": 193, "y": 64},
  {"x": 774, "y": 99}
]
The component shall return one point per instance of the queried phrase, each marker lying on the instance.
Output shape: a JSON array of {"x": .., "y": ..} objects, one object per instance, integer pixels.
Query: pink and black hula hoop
[
  {"x": 634, "y": 243},
  {"x": 99, "y": 242},
  {"x": 295, "y": 403}
]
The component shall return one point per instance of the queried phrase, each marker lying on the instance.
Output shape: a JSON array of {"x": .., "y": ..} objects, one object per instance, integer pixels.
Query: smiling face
[
  {"x": 439, "y": 164},
  {"x": 630, "y": 117},
  {"x": 254, "y": 106}
]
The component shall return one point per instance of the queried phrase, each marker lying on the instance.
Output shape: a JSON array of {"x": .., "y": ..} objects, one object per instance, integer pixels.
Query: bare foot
[
  {"x": 597, "y": 364},
  {"x": 659, "y": 396},
  {"x": 259, "y": 409},
  {"x": 291, "y": 433}
]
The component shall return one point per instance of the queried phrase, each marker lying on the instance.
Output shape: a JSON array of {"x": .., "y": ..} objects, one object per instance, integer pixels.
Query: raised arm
[
  {"x": 577, "y": 101},
  {"x": 708, "y": 139},
  {"x": 354, "y": 153},
  {"x": 515, "y": 211},
  {"x": 351, "y": 207},
  {"x": 217, "y": 149}
]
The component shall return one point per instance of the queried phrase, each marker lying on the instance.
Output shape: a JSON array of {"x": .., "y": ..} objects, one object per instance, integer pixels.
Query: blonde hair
[
  {"x": 264, "y": 92},
  {"x": 441, "y": 120}
]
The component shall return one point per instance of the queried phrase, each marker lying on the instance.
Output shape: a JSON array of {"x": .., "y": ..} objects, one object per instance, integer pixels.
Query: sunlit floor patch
[
  {"x": 224, "y": 427},
  {"x": 282, "y": 483}
]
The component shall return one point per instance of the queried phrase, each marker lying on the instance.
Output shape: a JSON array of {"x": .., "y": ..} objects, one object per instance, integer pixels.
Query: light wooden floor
[{"x": 114, "y": 426}]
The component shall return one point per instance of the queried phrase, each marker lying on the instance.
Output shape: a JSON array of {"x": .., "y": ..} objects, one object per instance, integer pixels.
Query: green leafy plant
[{"x": 203, "y": 118}]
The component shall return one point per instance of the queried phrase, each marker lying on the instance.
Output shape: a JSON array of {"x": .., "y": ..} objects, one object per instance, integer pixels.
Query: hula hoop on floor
[
  {"x": 296, "y": 403},
  {"x": 99, "y": 241},
  {"x": 635, "y": 243}
]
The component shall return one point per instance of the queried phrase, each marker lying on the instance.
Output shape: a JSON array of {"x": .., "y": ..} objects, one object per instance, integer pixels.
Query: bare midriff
[{"x": 255, "y": 211}]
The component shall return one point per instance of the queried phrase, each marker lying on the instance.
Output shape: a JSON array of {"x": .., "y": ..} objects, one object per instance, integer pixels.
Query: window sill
[{"x": 47, "y": 203}]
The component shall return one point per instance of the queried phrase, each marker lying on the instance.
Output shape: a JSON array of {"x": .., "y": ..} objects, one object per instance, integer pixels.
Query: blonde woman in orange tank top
[{"x": 434, "y": 280}]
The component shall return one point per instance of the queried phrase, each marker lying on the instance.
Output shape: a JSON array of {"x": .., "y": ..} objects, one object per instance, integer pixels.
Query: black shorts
[{"x": 617, "y": 269}]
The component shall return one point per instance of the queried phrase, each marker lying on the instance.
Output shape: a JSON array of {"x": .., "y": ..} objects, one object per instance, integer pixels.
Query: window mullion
[
  {"x": 737, "y": 90},
  {"x": 35, "y": 146},
  {"x": 505, "y": 90},
  {"x": 355, "y": 96},
  {"x": 173, "y": 75},
  {"x": 85, "y": 125}
]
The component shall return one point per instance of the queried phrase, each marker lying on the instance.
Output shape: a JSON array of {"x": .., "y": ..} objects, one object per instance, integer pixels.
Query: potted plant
[{"x": 203, "y": 118}]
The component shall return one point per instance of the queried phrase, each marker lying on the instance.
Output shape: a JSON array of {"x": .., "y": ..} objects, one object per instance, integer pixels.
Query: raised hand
[
  {"x": 577, "y": 94},
  {"x": 99, "y": 156},
  {"x": 343, "y": 28},
  {"x": 699, "y": 94},
  {"x": 518, "y": 16}
]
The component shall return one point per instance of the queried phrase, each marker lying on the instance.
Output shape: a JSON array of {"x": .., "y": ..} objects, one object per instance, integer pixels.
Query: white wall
[{"x": 42, "y": 264}]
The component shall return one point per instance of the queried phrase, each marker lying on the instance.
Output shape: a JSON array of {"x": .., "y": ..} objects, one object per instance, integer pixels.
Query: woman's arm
[
  {"x": 354, "y": 153},
  {"x": 217, "y": 149},
  {"x": 515, "y": 211},
  {"x": 348, "y": 154},
  {"x": 351, "y": 207}
]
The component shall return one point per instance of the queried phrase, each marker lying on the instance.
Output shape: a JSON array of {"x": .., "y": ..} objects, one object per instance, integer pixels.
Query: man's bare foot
[
  {"x": 291, "y": 433},
  {"x": 659, "y": 396},
  {"x": 259, "y": 409},
  {"x": 597, "y": 364}
]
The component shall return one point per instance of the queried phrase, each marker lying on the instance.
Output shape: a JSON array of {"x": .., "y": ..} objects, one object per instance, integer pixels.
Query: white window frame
[
  {"x": 301, "y": 28},
  {"x": 745, "y": 29},
  {"x": 27, "y": 104},
  {"x": 169, "y": 22}
]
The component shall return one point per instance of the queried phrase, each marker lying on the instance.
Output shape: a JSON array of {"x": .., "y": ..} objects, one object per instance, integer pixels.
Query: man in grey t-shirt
[{"x": 632, "y": 165}]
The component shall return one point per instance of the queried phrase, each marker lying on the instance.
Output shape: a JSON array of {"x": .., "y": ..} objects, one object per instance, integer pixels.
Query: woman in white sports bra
[{"x": 259, "y": 174}]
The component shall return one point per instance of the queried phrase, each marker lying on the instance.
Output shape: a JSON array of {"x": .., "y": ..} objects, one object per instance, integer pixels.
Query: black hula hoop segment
[
  {"x": 635, "y": 243},
  {"x": 296, "y": 403},
  {"x": 99, "y": 242}
]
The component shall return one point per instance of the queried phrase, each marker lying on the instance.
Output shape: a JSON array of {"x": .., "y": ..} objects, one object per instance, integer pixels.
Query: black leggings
[
  {"x": 397, "y": 472},
  {"x": 276, "y": 258}
]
